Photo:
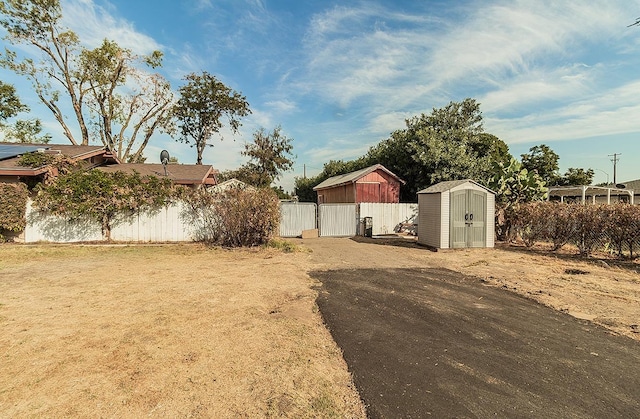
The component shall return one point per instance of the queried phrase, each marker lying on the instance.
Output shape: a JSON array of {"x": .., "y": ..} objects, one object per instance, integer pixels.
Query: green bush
[
  {"x": 103, "y": 197},
  {"x": 13, "y": 207}
]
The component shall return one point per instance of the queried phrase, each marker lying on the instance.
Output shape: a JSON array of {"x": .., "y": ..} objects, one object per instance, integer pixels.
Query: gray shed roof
[
  {"x": 352, "y": 177},
  {"x": 450, "y": 184}
]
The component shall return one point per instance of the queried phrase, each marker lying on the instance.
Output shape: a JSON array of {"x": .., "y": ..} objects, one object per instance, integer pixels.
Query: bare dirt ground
[
  {"x": 190, "y": 331},
  {"x": 165, "y": 331}
]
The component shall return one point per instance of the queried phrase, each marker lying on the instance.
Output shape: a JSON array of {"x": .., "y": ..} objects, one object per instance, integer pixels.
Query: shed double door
[{"x": 468, "y": 212}]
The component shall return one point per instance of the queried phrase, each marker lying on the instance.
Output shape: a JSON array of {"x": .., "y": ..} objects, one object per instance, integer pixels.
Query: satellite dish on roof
[
  {"x": 621, "y": 185},
  {"x": 164, "y": 158}
]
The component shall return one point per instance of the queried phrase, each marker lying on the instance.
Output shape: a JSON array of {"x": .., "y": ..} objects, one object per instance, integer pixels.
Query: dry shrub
[
  {"x": 530, "y": 222},
  {"x": 590, "y": 227},
  {"x": 560, "y": 229},
  {"x": 235, "y": 217},
  {"x": 622, "y": 227},
  {"x": 589, "y": 223}
]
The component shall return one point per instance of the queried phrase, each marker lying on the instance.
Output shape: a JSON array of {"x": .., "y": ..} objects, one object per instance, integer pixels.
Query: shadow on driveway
[{"x": 435, "y": 343}]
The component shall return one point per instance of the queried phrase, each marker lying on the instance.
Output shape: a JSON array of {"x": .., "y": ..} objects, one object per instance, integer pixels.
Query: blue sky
[{"x": 341, "y": 76}]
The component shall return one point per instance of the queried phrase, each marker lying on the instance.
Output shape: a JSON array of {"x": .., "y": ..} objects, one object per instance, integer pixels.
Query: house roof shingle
[
  {"x": 183, "y": 174},
  {"x": 10, "y": 166}
]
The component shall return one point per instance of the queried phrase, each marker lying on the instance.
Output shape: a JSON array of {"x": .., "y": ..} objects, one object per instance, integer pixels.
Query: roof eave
[{"x": 23, "y": 172}]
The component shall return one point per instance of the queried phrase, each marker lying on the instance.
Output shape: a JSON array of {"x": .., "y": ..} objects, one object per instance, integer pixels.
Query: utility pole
[
  {"x": 304, "y": 171},
  {"x": 615, "y": 161}
]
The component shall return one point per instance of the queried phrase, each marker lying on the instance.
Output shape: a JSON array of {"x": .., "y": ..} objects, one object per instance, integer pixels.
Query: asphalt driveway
[{"x": 435, "y": 343}]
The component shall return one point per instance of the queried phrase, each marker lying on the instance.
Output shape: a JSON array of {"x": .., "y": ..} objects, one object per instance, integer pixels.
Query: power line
[{"x": 615, "y": 160}]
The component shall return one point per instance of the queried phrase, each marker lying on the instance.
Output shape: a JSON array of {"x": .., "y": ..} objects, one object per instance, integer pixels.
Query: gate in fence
[
  {"x": 338, "y": 220},
  {"x": 297, "y": 216}
]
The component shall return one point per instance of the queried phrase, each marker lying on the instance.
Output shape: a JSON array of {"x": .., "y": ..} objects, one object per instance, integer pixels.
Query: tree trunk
[{"x": 106, "y": 227}]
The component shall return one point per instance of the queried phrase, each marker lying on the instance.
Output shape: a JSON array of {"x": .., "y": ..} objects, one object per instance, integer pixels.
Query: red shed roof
[{"x": 353, "y": 177}]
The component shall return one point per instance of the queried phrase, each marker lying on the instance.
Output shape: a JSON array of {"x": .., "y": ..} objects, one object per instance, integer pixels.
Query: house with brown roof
[
  {"x": 10, "y": 153},
  {"x": 372, "y": 184},
  {"x": 93, "y": 157},
  {"x": 192, "y": 175}
]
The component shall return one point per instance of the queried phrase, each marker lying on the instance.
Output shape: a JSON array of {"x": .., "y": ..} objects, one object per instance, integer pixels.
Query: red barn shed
[{"x": 372, "y": 184}]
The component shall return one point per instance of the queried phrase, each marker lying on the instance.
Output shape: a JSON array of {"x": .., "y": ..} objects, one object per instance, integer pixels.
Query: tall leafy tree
[
  {"x": 37, "y": 23},
  {"x": 125, "y": 120},
  {"x": 10, "y": 104},
  {"x": 577, "y": 176},
  {"x": 443, "y": 142},
  {"x": 22, "y": 130},
  {"x": 107, "y": 87},
  {"x": 447, "y": 144},
  {"x": 26, "y": 131},
  {"x": 203, "y": 103},
  {"x": 544, "y": 161},
  {"x": 270, "y": 155}
]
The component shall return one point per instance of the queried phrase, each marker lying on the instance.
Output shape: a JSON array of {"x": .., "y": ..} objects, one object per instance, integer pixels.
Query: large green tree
[
  {"x": 544, "y": 161},
  {"x": 443, "y": 142},
  {"x": 10, "y": 103},
  {"x": 447, "y": 144},
  {"x": 21, "y": 130},
  {"x": 91, "y": 83},
  {"x": 576, "y": 176},
  {"x": 270, "y": 154},
  {"x": 203, "y": 103},
  {"x": 125, "y": 120}
]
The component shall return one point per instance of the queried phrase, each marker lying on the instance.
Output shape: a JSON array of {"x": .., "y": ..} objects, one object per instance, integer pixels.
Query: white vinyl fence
[
  {"x": 296, "y": 217},
  {"x": 337, "y": 220},
  {"x": 164, "y": 225},
  {"x": 170, "y": 225},
  {"x": 388, "y": 217}
]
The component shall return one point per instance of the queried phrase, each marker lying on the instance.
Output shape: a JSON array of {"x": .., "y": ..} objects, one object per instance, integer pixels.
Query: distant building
[
  {"x": 589, "y": 194},
  {"x": 372, "y": 184},
  {"x": 94, "y": 157}
]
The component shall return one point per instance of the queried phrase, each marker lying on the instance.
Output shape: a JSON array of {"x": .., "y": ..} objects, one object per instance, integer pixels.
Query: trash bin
[{"x": 368, "y": 226}]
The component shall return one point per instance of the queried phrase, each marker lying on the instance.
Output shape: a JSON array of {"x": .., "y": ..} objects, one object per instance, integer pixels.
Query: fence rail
[{"x": 169, "y": 225}]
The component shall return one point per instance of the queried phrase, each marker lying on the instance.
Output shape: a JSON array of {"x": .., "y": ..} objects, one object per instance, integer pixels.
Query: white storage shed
[{"x": 457, "y": 213}]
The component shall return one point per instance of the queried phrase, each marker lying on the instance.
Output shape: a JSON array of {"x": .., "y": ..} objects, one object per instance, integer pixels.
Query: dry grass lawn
[
  {"x": 165, "y": 331},
  {"x": 191, "y": 331}
]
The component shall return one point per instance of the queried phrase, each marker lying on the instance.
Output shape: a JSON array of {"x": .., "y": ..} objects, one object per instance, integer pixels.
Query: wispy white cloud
[
  {"x": 517, "y": 58},
  {"x": 539, "y": 86},
  {"x": 94, "y": 23},
  {"x": 610, "y": 113},
  {"x": 281, "y": 106}
]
